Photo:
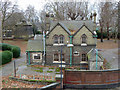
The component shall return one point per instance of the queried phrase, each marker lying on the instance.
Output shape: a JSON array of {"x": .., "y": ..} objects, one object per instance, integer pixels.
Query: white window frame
[{"x": 35, "y": 54}]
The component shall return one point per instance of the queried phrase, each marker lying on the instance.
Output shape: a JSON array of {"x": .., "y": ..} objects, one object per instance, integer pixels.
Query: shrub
[
  {"x": 5, "y": 57},
  {"x": 16, "y": 51},
  {"x": 99, "y": 34},
  {"x": 5, "y": 46}
]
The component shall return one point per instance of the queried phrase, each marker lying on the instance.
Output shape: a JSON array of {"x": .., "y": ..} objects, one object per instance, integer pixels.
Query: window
[
  {"x": 56, "y": 57},
  {"x": 61, "y": 37},
  {"x": 84, "y": 38},
  {"x": 36, "y": 56},
  {"x": 84, "y": 57},
  {"x": 56, "y": 39}
]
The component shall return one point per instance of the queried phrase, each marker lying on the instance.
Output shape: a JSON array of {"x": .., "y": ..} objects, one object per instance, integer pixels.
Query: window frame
[
  {"x": 59, "y": 58},
  {"x": 56, "y": 38},
  {"x": 84, "y": 57},
  {"x": 83, "y": 38}
]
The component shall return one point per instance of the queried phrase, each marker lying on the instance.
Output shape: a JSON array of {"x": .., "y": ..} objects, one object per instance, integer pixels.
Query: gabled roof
[
  {"x": 81, "y": 28},
  {"x": 35, "y": 45},
  {"x": 74, "y": 24},
  {"x": 62, "y": 25}
]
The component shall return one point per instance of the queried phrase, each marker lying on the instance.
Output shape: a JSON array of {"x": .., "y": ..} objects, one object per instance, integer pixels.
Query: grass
[
  {"x": 39, "y": 70},
  {"x": 57, "y": 70},
  {"x": 52, "y": 68},
  {"x": 49, "y": 71},
  {"x": 39, "y": 67}
]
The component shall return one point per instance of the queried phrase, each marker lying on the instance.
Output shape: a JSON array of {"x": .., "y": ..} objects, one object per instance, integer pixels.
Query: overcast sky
[{"x": 38, "y": 4}]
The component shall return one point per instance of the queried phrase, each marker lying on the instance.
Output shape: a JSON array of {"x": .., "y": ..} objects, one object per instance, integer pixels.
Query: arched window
[
  {"x": 56, "y": 39},
  {"x": 84, "y": 38},
  {"x": 61, "y": 37}
]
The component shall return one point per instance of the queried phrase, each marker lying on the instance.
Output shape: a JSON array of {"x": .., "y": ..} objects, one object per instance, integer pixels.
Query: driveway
[{"x": 111, "y": 55}]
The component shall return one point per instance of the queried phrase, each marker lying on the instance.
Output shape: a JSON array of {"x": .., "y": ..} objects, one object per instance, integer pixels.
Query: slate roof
[
  {"x": 38, "y": 37},
  {"x": 62, "y": 25},
  {"x": 35, "y": 45},
  {"x": 73, "y": 24},
  {"x": 24, "y": 23}
]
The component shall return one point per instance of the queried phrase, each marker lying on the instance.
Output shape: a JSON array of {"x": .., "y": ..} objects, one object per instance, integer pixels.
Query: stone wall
[{"x": 84, "y": 30}]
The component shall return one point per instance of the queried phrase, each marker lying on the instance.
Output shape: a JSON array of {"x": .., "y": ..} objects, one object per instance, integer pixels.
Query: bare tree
[
  {"x": 31, "y": 16},
  {"x": 67, "y": 10},
  {"x": 7, "y": 9}
]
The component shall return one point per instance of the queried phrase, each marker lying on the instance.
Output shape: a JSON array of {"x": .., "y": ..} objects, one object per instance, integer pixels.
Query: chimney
[
  {"x": 47, "y": 22},
  {"x": 91, "y": 16},
  {"x": 94, "y": 14}
]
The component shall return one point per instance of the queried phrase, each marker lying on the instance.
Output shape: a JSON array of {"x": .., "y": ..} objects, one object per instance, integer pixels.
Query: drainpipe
[
  {"x": 96, "y": 59},
  {"x": 28, "y": 57},
  {"x": 44, "y": 48},
  {"x": 70, "y": 51}
]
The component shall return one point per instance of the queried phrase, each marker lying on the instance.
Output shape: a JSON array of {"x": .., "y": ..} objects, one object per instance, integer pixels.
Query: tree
[
  {"x": 31, "y": 16},
  {"x": 7, "y": 9},
  {"x": 106, "y": 15},
  {"x": 67, "y": 10}
]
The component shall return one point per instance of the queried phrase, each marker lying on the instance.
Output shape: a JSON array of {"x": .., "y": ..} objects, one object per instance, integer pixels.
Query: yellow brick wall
[
  {"x": 84, "y": 30},
  {"x": 58, "y": 30}
]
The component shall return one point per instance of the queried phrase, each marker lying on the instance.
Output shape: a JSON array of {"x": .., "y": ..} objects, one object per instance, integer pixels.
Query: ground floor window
[
  {"x": 57, "y": 57},
  {"x": 37, "y": 56},
  {"x": 84, "y": 57}
]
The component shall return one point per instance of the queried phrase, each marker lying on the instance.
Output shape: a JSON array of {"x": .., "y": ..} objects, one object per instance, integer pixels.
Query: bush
[
  {"x": 5, "y": 57},
  {"x": 16, "y": 51},
  {"x": 5, "y": 46},
  {"x": 99, "y": 34}
]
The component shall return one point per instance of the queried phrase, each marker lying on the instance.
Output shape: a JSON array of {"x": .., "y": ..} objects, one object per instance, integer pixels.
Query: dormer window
[
  {"x": 84, "y": 37},
  {"x": 61, "y": 37},
  {"x": 55, "y": 39}
]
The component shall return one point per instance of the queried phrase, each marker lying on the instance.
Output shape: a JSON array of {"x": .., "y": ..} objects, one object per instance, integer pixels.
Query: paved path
[
  {"x": 111, "y": 55},
  {"x": 22, "y": 68},
  {"x": 7, "y": 69}
]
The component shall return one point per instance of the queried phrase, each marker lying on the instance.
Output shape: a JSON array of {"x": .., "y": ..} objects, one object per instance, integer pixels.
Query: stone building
[
  {"x": 70, "y": 41},
  {"x": 23, "y": 30}
]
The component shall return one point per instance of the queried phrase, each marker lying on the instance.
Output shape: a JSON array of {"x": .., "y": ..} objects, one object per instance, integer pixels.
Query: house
[
  {"x": 60, "y": 35},
  {"x": 23, "y": 30}
]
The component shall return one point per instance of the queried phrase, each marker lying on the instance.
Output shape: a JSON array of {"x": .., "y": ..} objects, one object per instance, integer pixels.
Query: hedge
[
  {"x": 14, "y": 49},
  {"x": 5, "y": 46},
  {"x": 5, "y": 57}
]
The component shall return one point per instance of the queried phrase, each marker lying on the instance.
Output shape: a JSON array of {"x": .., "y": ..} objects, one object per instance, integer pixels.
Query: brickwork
[{"x": 91, "y": 77}]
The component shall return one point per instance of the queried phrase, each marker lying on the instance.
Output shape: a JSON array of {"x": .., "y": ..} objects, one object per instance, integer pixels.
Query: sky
[{"x": 38, "y": 4}]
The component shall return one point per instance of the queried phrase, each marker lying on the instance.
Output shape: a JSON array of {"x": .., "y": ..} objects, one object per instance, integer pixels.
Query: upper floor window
[
  {"x": 56, "y": 39},
  {"x": 84, "y": 38},
  {"x": 61, "y": 37}
]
